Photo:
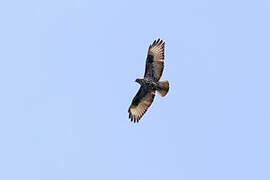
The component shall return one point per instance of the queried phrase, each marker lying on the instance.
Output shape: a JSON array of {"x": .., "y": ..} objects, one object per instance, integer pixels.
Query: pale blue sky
[{"x": 67, "y": 70}]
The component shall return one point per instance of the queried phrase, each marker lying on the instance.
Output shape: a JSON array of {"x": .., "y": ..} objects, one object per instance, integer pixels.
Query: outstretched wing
[
  {"x": 155, "y": 60},
  {"x": 140, "y": 103}
]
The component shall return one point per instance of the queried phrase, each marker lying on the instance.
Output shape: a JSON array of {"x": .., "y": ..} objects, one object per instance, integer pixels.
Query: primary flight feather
[{"x": 150, "y": 83}]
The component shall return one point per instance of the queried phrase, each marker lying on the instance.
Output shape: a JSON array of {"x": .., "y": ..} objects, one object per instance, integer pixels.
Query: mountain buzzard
[{"x": 150, "y": 83}]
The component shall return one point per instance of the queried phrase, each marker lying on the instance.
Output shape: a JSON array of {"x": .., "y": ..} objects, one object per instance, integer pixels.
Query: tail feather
[{"x": 163, "y": 88}]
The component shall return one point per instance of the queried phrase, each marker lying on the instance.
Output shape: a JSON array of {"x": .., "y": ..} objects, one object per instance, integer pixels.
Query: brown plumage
[{"x": 150, "y": 83}]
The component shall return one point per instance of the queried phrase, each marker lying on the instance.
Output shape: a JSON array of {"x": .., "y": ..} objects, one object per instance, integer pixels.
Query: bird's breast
[{"x": 150, "y": 85}]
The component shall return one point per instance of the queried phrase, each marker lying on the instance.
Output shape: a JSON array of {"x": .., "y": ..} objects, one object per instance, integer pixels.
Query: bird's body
[{"x": 150, "y": 83}]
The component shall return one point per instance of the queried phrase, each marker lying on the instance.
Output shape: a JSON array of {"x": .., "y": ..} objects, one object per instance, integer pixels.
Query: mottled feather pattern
[
  {"x": 155, "y": 65},
  {"x": 136, "y": 112}
]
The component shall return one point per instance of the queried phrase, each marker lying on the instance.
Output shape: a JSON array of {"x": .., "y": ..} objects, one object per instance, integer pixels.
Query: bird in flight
[{"x": 150, "y": 83}]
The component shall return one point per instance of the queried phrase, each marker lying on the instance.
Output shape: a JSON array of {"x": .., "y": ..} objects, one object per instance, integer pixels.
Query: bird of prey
[{"x": 150, "y": 83}]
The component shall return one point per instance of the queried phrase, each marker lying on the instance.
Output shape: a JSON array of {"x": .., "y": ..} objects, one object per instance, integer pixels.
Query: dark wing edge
[
  {"x": 155, "y": 60},
  {"x": 140, "y": 104}
]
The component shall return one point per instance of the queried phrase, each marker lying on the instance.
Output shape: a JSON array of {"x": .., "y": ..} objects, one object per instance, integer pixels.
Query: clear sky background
[{"x": 67, "y": 71}]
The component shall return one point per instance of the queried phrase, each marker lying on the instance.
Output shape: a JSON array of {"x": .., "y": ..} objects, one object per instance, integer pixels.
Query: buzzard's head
[{"x": 138, "y": 80}]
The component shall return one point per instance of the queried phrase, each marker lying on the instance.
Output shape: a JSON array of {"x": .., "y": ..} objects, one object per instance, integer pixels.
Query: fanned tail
[{"x": 163, "y": 88}]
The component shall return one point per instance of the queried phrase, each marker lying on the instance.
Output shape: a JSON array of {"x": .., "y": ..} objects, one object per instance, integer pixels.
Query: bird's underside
[{"x": 150, "y": 83}]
